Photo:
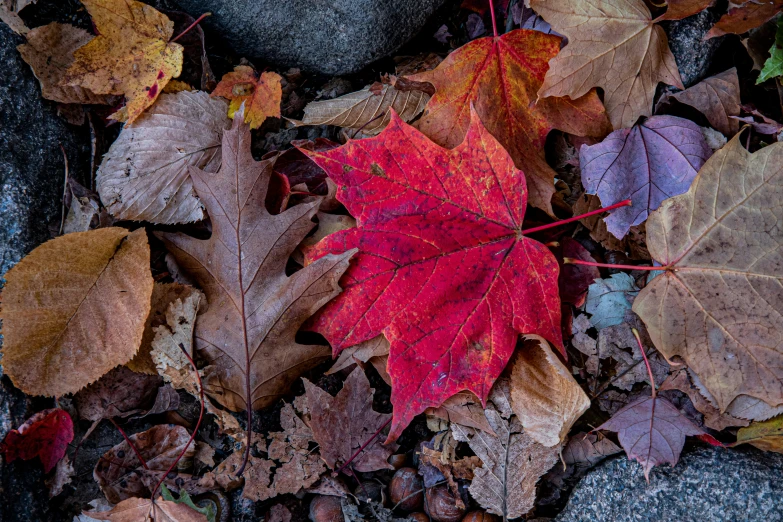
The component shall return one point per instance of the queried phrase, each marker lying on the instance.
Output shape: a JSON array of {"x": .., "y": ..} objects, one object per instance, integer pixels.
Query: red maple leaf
[
  {"x": 45, "y": 435},
  {"x": 443, "y": 269}
]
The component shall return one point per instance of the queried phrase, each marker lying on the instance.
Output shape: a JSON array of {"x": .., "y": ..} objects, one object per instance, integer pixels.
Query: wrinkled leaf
[
  {"x": 119, "y": 393},
  {"x": 261, "y": 94},
  {"x": 718, "y": 98},
  {"x": 45, "y": 435},
  {"x": 742, "y": 18},
  {"x": 462, "y": 408}
]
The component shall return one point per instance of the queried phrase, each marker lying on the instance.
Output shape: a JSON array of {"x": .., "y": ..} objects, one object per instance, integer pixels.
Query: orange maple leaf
[{"x": 261, "y": 94}]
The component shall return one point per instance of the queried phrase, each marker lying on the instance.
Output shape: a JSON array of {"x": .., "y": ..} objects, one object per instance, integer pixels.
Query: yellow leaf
[
  {"x": 75, "y": 308},
  {"x": 131, "y": 55},
  {"x": 767, "y": 435},
  {"x": 260, "y": 94}
]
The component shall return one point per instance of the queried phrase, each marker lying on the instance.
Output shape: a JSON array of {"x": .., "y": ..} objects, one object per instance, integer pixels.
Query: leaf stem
[
  {"x": 492, "y": 14},
  {"x": 364, "y": 445},
  {"x": 191, "y": 26},
  {"x": 646, "y": 361},
  {"x": 130, "y": 443},
  {"x": 624, "y": 203},
  {"x": 195, "y": 430},
  {"x": 572, "y": 261}
]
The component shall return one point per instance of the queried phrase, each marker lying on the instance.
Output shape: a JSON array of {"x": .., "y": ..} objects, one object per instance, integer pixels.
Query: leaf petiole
[
  {"x": 572, "y": 261},
  {"x": 624, "y": 203},
  {"x": 646, "y": 361},
  {"x": 191, "y": 26}
]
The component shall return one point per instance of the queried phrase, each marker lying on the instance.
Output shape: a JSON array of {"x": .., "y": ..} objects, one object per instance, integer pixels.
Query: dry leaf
[
  {"x": 363, "y": 109},
  {"x": 743, "y": 407},
  {"x": 545, "y": 397},
  {"x": 119, "y": 393},
  {"x": 163, "y": 294},
  {"x": 718, "y": 98},
  {"x": 612, "y": 45},
  {"x": 144, "y": 176},
  {"x": 49, "y": 51},
  {"x": 630, "y": 369},
  {"x": 513, "y": 462},
  {"x": 713, "y": 418},
  {"x": 718, "y": 306},
  {"x": 342, "y": 424},
  {"x": 63, "y": 473},
  {"x": 88, "y": 295},
  {"x": 679, "y": 9},
  {"x": 131, "y": 55},
  {"x": 327, "y": 224},
  {"x": 145, "y": 510},
  {"x": 463, "y": 408},
  {"x": 9, "y": 14},
  {"x": 362, "y": 352},
  {"x": 766, "y": 436},
  {"x": 260, "y": 94},
  {"x": 255, "y": 309},
  {"x": 121, "y": 476}
]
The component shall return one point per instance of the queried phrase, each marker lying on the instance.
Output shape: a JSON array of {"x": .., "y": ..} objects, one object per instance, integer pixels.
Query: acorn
[
  {"x": 398, "y": 460},
  {"x": 480, "y": 516},
  {"x": 406, "y": 490},
  {"x": 441, "y": 505},
  {"x": 419, "y": 517},
  {"x": 324, "y": 508}
]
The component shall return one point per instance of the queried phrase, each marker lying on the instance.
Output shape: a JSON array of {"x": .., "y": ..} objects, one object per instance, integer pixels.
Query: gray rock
[
  {"x": 692, "y": 52},
  {"x": 741, "y": 485},
  {"x": 332, "y": 37},
  {"x": 31, "y": 162}
]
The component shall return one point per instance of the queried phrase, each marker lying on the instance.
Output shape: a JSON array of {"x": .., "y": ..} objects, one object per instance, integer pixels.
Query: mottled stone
[{"x": 691, "y": 51}]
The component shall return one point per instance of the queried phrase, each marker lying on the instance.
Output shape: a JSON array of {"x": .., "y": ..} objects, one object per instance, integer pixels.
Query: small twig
[
  {"x": 416, "y": 493},
  {"x": 191, "y": 26},
  {"x": 366, "y": 124},
  {"x": 624, "y": 203},
  {"x": 364, "y": 446},
  {"x": 130, "y": 443},
  {"x": 65, "y": 191},
  {"x": 646, "y": 362}
]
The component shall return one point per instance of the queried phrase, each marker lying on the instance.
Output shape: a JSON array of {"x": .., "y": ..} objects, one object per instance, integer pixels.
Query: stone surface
[
  {"x": 31, "y": 162},
  {"x": 707, "y": 485},
  {"x": 332, "y": 37},
  {"x": 692, "y": 53}
]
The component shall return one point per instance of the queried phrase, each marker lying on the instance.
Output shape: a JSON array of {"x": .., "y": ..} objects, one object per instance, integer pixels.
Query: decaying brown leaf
[
  {"x": 462, "y": 408},
  {"x": 144, "y": 510},
  {"x": 718, "y": 98},
  {"x": 713, "y": 418},
  {"x": 121, "y": 475},
  {"x": 362, "y": 352},
  {"x": 88, "y": 295},
  {"x": 144, "y": 176},
  {"x": 440, "y": 454},
  {"x": 342, "y": 424},
  {"x": 513, "y": 462},
  {"x": 63, "y": 473},
  {"x": 119, "y": 393},
  {"x": 255, "y": 309},
  {"x": 49, "y": 51},
  {"x": 545, "y": 397},
  {"x": 718, "y": 305}
]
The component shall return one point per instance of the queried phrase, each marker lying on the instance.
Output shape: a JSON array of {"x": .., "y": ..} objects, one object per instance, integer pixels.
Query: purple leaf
[
  {"x": 649, "y": 162},
  {"x": 652, "y": 431},
  {"x": 475, "y": 26},
  {"x": 442, "y": 34}
]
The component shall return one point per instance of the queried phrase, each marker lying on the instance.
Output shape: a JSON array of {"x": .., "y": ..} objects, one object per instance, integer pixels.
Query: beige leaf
[
  {"x": 145, "y": 510},
  {"x": 144, "y": 176},
  {"x": 713, "y": 418},
  {"x": 612, "y": 45},
  {"x": 166, "y": 354},
  {"x": 505, "y": 484},
  {"x": 358, "y": 109},
  {"x": 9, "y": 14},
  {"x": 363, "y": 352},
  {"x": 49, "y": 51},
  {"x": 462, "y": 408},
  {"x": 327, "y": 224},
  {"x": 87, "y": 295},
  {"x": 80, "y": 215},
  {"x": 544, "y": 395},
  {"x": 719, "y": 303},
  {"x": 62, "y": 476}
]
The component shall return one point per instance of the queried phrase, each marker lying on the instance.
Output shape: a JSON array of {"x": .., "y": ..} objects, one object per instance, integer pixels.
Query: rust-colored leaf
[
  {"x": 679, "y": 9},
  {"x": 743, "y": 18},
  {"x": 500, "y": 77},
  {"x": 718, "y": 98},
  {"x": 144, "y": 510},
  {"x": 261, "y": 94},
  {"x": 88, "y": 295},
  {"x": 443, "y": 270}
]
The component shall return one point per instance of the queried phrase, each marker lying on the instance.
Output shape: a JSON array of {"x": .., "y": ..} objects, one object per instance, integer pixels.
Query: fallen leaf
[
  {"x": 144, "y": 509},
  {"x": 588, "y": 449},
  {"x": 121, "y": 476},
  {"x": 49, "y": 52},
  {"x": 81, "y": 215},
  {"x": 439, "y": 235},
  {"x": 652, "y": 431},
  {"x": 747, "y": 16},
  {"x": 718, "y": 98},
  {"x": 88, "y": 294},
  {"x": 499, "y": 77},
  {"x": 634, "y": 243},
  {"x": 278, "y": 513},
  {"x": 766, "y": 435},
  {"x": 574, "y": 280},
  {"x": 63, "y": 474},
  {"x": 208, "y": 510},
  {"x": 255, "y": 309},
  {"x": 713, "y": 418},
  {"x": 261, "y": 94},
  {"x": 119, "y": 393},
  {"x": 45, "y": 435},
  {"x": 131, "y": 55},
  {"x": 462, "y": 408},
  {"x": 513, "y": 462},
  {"x": 330, "y": 486},
  {"x": 652, "y": 161},
  {"x": 167, "y": 399},
  {"x": 363, "y": 109},
  {"x": 449, "y": 467},
  {"x": 679, "y": 9},
  {"x": 743, "y": 406},
  {"x": 717, "y": 306},
  {"x": 342, "y": 424},
  {"x": 615, "y": 341},
  {"x": 608, "y": 300},
  {"x": 613, "y": 46},
  {"x": 545, "y": 397},
  {"x": 9, "y": 14},
  {"x": 773, "y": 66},
  {"x": 362, "y": 352},
  {"x": 144, "y": 176},
  {"x": 327, "y": 224}
]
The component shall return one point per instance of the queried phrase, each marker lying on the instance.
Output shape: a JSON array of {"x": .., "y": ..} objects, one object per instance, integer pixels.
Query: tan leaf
[
  {"x": 255, "y": 309},
  {"x": 463, "y": 408},
  {"x": 505, "y": 484},
  {"x": 743, "y": 406},
  {"x": 144, "y": 176},
  {"x": 719, "y": 303},
  {"x": 49, "y": 51},
  {"x": 62, "y": 476},
  {"x": 9, "y": 16},
  {"x": 363, "y": 352},
  {"x": 163, "y": 294},
  {"x": 544, "y": 395},
  {"x": 145, "y": 510},
  {"x": 718, "y": 98},
  {"x": 88, "y": 295},
  {"x": 344, "y": 423},
  {"x": 713, "y": 418},
  {"x": 361, "y": 108},
  {"x": 131, "y": 55},
  {"x": 612, "y": 45},
  {"x": 327, "y": 224}
]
